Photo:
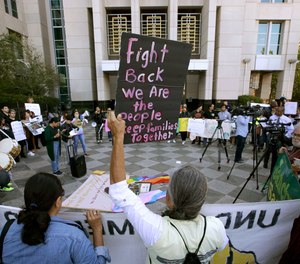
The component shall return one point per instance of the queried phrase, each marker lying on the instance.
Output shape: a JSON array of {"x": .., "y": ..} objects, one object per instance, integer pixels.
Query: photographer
[
  {"x": 282, "y": 129},
  {"x": 242, "y": 122}
]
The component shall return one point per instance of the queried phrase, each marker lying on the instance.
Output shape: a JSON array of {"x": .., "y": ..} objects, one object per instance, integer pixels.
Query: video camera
[
  {"x": 254, "y": 111},
  {"x": 275, "y": 128}
]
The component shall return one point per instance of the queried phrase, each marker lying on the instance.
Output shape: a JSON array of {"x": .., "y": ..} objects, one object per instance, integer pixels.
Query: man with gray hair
[{"x": 163, "y": 235}]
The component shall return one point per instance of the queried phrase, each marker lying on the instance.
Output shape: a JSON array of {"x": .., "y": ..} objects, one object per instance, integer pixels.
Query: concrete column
[
  {"x": 173, "y": 15},
  {"x": 208, "y": 25},
  {"x": 99, "y": 20},
  {"x": 135, "y": 16}
]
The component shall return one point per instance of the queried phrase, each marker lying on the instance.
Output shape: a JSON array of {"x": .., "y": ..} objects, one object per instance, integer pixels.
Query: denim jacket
[{"x": 64, "y": 243}]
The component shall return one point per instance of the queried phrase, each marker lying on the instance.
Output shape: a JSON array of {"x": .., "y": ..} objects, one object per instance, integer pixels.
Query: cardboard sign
[
  {"x": 283, "y": 184},
  {"x": 18, "y": 130},
  {"x": 35, "y": 108},
  {"x": 150, "y": 86},
  {"x": 290, "y": 108}
]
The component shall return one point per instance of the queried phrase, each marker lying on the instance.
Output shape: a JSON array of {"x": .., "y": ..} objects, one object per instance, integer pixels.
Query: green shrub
[{"x": 244, "y": 99}]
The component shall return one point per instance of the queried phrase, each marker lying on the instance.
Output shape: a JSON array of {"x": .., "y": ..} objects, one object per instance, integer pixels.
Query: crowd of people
[
  {"x": 177, "y": 235},
  {"x": 67, "y": 128}
]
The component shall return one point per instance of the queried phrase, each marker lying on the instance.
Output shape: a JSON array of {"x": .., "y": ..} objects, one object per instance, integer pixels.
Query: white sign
[
  {"x": 196, "y": 126},
  {"x": 91, "y": 194},
  {"x": 18, "y": 130},
  {"x": 35, "y": 108},
  {"x": 258, "y": 232},
  {"x": 290, "y": 108},
  {"x": 208, "y": 128}
]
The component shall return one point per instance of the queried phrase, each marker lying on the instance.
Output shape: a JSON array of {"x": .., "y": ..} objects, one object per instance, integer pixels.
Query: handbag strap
[
  {"x": 3, "y": 234},
  {"x": 200, "y": 240}
]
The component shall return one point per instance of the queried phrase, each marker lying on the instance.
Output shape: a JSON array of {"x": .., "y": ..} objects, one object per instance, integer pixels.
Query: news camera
[
  {"x": 275, "y": 128},
  {"x": 254, "y": 111}
]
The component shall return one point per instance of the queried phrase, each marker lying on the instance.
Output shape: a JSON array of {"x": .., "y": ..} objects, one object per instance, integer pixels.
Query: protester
[
  {"x": 209, "y": 114},
  {"x": 294, "y": 153},
  {"x": 185, "y": 196},
  {"x": 109, "y": 134},
  {"x": 52, "y": 137},
  {"x": 99, "y": 118},
  {"x": 66, "y": 128},
  {"x": 5, "y": 181},
  {"x": 197, "y": 114},
  {"x": 40, "y": 236},
  {"x": 224, "y": 114},
  {"x": 79, "y": 122},
  {"x": 25, "y": 118},
  {"x": 184, "y": 114},
  {"x": 5, "y": 113},
  {"x": 242, "y": 122}
]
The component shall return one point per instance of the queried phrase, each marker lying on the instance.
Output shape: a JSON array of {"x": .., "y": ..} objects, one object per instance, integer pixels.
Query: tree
[
  {"x": 22, "y": 70},
  {"x": 296, "y": 89}
]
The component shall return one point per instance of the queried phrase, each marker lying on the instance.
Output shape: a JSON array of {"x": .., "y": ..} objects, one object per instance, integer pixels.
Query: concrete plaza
[{"x": 149, "y": 159}]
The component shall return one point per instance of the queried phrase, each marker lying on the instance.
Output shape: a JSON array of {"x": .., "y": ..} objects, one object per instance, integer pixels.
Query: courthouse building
[{"x": 238, "y": 45}]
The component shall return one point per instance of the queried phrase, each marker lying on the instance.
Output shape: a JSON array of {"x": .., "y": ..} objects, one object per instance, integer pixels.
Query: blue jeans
[
  {"x": 82, "y": 141},
  {"x": 55, "y": 162}
]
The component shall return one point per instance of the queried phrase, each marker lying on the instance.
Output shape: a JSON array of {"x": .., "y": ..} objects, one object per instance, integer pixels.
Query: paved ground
[{"x": 151, "y": 159}]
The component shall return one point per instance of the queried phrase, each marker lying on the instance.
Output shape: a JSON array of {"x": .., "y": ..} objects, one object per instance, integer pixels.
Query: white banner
[
  {"x": 18, "y": 130},
  {"x": 208, "y": 128},
  {"x": 258, "y": 232}
]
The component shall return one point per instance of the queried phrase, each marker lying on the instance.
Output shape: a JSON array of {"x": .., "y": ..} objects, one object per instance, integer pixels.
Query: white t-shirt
[{"x": 155, "y": 229}]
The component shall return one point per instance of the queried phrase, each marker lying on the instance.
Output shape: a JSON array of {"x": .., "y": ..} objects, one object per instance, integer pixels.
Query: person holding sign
[
  {"x": 185, "y": 197},
  {"x": 40, "y": 236},
  {"x": 79, "y": 121},
  {"x": 183, "y": 132}
]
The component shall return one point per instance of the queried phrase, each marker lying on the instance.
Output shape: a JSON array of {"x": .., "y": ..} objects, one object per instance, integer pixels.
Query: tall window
[
  {"x": 154, "y": 24},
  {"x": 117, "y": 23},
  {"x": 268, "y": 40},
  {"x": 273, "y": 1},
  {"x": 189, "y": 30},
  {"x": 11, "y": 8},
  {"x": 60, "y": 48}
]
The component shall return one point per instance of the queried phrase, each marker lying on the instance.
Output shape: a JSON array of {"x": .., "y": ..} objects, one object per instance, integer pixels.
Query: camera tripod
[
  {"x": 221, "y": 144},
  {"x": 272, "y": 148},
  {"x": 254, "y": 153}
]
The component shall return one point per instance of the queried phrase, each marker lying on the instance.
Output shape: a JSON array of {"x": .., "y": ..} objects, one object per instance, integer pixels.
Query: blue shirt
[
  {"x": 224, "y": 115},
  {"x": 63, "y": 244},
  {"x": 242, "y": 125}
]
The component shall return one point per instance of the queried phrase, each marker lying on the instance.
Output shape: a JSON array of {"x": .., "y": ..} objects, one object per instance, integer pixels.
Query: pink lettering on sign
[
  {"x": 159, "y": 92},
  {"x": 132, "y": 77},
  {"x": 142, "y": 117},
  {"x": 157, "y": 136},
  {"x": 146, "y": 56},
  {"x": 130, "y": 93}
]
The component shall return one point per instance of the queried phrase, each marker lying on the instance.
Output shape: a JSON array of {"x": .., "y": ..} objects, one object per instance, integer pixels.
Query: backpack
[{"x": 191, "y": 257}]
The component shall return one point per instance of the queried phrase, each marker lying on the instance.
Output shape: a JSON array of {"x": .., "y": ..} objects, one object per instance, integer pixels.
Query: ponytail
[
  {"x": 35, "y": 225},
  {"x": 40, "y": 194}
]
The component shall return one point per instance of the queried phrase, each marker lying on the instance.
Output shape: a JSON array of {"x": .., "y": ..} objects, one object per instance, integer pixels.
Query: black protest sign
[{"x": 150, "y": 85}]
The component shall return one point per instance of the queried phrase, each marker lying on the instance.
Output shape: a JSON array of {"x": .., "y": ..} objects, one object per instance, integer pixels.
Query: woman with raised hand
[
  {"x": 170, "y": 237},
  {"x": 40, "y": 236}
]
